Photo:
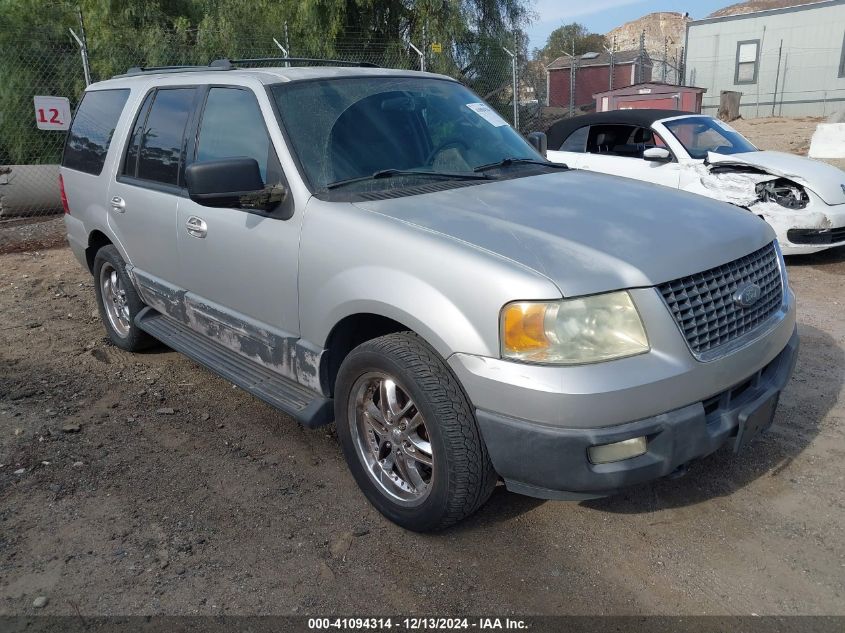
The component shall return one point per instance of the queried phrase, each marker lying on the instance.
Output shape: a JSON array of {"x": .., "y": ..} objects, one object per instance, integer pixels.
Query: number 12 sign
[{"x": 52, "y": 113}]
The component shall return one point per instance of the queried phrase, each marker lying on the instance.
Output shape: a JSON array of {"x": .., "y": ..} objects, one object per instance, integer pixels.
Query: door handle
[
  {"x": 118, "y": 204},
  {"x": 196, "y": 227}
]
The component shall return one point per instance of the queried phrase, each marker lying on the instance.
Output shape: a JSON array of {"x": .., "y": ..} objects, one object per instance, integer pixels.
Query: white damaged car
[{"x": 803, "y": 199}]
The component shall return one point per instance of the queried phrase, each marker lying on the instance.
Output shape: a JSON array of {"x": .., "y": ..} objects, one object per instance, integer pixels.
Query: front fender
[
  {"x": 410, "y": 301},
  {"x": 354, "y": 261}
]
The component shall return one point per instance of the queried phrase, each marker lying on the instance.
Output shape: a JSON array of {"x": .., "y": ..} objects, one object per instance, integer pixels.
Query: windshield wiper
[
  {"x": 507, "y": 162},
  {"x": 389, "y": 173}
]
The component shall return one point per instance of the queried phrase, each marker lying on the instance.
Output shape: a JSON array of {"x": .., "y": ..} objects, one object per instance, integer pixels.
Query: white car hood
[{"x": 824, "y": 180}]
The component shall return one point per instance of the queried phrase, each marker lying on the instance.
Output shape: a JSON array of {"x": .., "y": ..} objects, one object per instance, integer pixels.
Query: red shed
[
  {"x": 592, "y": 74},
  {"x": 651, "y": 95}
]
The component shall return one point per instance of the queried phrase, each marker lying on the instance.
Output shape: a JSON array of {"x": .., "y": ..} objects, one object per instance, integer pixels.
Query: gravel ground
[
  {"x": 143, "y": 484},
  {"x": 28, "y": 234}
]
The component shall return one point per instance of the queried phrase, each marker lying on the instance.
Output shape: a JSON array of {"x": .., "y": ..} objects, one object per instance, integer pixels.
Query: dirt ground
[{"x": 143, "y": 484}]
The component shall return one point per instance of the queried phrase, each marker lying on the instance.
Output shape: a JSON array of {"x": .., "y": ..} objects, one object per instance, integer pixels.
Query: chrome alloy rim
[
  {"x": 114, "y": 300},
  {"x": 391, "y": 438}
]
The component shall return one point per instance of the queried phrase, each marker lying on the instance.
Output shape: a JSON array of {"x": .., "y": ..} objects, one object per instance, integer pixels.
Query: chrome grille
[{"x": 704, "y": 307}]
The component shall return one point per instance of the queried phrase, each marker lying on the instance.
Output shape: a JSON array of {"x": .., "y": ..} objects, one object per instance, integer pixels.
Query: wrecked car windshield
[
  {"x": 345, "y": 131},
  {"x": 700, "y": 135}
]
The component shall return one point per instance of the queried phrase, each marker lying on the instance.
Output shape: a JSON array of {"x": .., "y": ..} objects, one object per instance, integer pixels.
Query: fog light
[{"x": 616, "y": 452}]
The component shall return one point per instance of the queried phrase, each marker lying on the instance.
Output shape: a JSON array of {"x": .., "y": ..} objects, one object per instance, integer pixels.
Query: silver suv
[{"x": 378, "y": 248}]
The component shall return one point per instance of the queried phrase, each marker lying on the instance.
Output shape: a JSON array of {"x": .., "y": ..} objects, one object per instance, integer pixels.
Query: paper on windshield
[{"x": 487, "y": 113}]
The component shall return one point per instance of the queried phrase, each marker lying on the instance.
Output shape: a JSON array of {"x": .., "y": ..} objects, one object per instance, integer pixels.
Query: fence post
[
  {"x": 284, "y": 51},
  {"x": 420, "y": 53},
  {"x": 84, "y": 52},
  {"x": 572, "y": 61},
  {"x": 515, "y": 89}
]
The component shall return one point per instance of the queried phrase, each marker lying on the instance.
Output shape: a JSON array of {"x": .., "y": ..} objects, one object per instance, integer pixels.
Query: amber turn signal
[{"x": 524, "y": 327}]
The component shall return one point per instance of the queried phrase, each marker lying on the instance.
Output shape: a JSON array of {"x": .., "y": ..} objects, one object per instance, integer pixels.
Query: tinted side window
[
  {"x": 130, "y": 166},
  {"x": 163, "y": 135},
  {"x": 577, "y": 141},
  {"x": 232, "y": 125},
  {"x": 92, "y": 129}
]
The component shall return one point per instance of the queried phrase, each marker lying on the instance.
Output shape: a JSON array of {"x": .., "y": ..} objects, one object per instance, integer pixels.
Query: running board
[{"x": 306, "y": 406}]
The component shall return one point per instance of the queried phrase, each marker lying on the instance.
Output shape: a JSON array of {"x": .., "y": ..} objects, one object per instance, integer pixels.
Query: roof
[
  {"x": 654, "y": 87},
  {"x": 601, "y": 59},
  {"x": 273, "y": 75},
  {"x": 820, "y": 4},
  {"x": 560, "y": 131}
]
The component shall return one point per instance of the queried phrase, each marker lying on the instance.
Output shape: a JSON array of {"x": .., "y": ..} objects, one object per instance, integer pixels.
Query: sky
[{"x": 600, "y": 16}]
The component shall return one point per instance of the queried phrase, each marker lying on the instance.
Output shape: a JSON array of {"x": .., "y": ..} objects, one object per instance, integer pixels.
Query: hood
[
  {"x": 824, "y": 180},
  {"x": 587, "y": 232}
]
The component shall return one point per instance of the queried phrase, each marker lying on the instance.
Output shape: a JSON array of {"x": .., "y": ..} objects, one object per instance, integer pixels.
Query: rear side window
[
  {"x": 232, "y": 126},
  {"x": 92, "y": 130},
  {"x": 162, "y": 139},
  {"x": 577, "y": 141}
]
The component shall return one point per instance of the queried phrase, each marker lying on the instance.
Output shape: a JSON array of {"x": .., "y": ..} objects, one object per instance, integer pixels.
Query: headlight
[{"x": 573, "y": 331}]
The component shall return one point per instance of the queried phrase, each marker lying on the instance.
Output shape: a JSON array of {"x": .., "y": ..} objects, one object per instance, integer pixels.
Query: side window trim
[
  {"x": 143, "y": 110},
  {"x": 135, "y": 180}
]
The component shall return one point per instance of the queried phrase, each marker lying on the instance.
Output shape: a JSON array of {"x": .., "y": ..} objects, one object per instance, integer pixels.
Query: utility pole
[
  {"x": 612, "y": 52},
  {"x": 665, "y": 58},
  {"x": 572, "y": 69},
  {"x": 777, "y": 78},
  {"x": 515, "y": 89},
  {"x": 641, "y": 58}
]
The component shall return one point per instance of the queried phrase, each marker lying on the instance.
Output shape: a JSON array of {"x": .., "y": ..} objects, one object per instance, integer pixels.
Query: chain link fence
[{"x": 57, "y": 62}]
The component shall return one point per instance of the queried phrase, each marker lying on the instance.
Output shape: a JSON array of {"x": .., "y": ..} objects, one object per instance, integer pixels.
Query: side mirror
[
  {"x": 539, "y": 142},
  {"x": 230, "y": 182},
  {"x": 657, "y": 155}
]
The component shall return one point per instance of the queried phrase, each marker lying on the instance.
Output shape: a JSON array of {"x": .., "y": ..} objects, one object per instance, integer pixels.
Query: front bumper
[
  {"x": 552, "y": 463},
  {"x": 811, "y": 230}
]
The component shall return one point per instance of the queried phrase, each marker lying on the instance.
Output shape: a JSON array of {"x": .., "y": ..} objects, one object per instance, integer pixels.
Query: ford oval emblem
[{"x": 747, "y": 296}]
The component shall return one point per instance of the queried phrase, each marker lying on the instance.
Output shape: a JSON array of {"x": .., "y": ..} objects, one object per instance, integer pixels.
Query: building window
[
  {"x": 842, "y": 60},
  {"x": 747, "y": 62}
]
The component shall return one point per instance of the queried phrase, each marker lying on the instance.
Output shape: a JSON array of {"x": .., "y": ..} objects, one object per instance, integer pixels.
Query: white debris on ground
[{"x": 828, "y": 141}]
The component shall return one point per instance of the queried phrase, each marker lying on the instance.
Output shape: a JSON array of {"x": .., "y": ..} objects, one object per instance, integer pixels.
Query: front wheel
[{"x": 409, "y": 434}]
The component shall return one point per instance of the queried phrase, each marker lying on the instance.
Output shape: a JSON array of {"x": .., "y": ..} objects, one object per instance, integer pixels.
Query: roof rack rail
[
  {"x": 232, "y": 63},
  {"x": 140, "y": 70}
]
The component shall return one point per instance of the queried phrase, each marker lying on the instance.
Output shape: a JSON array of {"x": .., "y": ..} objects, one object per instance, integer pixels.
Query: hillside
[
  {"x": 664, "y": 31},
  {"x": 657, "y": 26}
]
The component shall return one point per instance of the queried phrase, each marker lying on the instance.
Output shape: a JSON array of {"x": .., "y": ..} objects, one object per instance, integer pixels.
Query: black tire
[
  {"x": 134, "y": 339},
  {"x": 462, "y": 476}
]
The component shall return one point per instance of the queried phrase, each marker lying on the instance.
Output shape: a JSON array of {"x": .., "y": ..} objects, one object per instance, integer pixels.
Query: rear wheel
[
  {"x": 118, "y": 301},
  {"x": 409, "y": 434}
]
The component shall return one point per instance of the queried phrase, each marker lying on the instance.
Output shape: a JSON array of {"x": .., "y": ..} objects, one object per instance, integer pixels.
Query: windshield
[
  {"x": 700, "y": 135},
  {"x": 353, "y": 128}
]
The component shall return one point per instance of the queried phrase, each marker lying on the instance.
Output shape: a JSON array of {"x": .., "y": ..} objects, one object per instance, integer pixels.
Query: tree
[
  {"x": 562, "y": 39},
  {"x": 40, "y": 57}
]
